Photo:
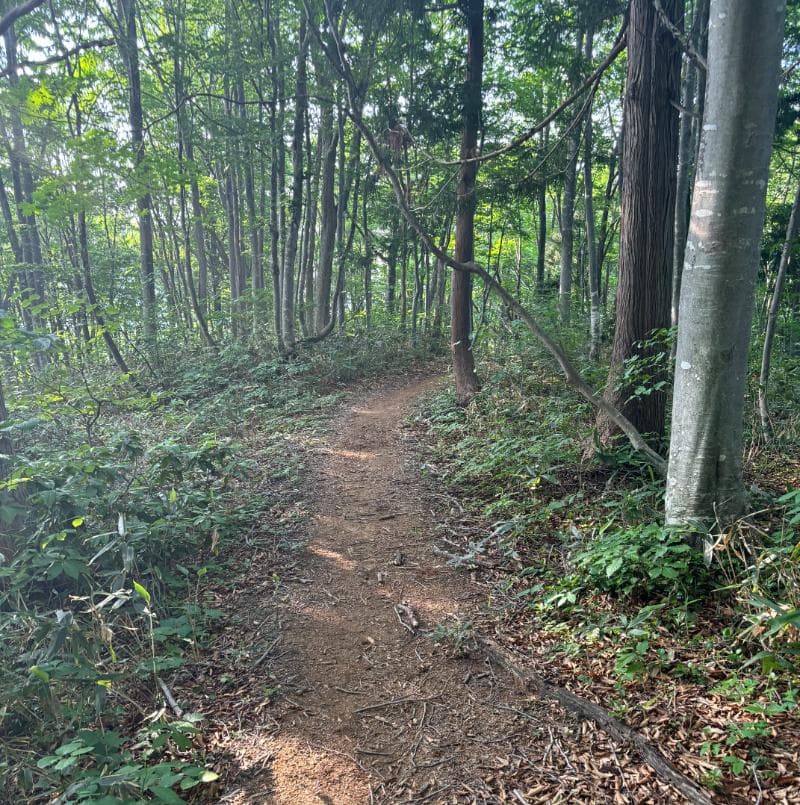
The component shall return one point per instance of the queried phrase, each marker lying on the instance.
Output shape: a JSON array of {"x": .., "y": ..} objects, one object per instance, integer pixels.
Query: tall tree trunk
[
  {"x": 129, "y": 50},
  {"x": 367, "y": 255},
  {"x": 647, "y": 208},
  {"x": 310, "y": 238},
  {"x": 690, "y": 107},
  {"x": 30, "y": 275},
  {"x": 772, "y": 315},
  {"x": 595, "y": 310},
  {"x": 391, "y": 271},
  {"x": 704, "y": 480},
  {"x": 6, "y": 445},
  {"x": 276, "y": 123},
  {"x": 300, "y": 104},
  {"x": 541, "y": 233},
  {"x": 328, "y": 217},
  {"x": 466, "y": 380},
  {"x": 568, "y": 205}
]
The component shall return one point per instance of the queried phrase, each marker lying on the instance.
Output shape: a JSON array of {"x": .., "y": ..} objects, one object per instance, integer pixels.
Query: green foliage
[
  {"x": 95, "y": 767},
  {"x": 643, "y": 562}
]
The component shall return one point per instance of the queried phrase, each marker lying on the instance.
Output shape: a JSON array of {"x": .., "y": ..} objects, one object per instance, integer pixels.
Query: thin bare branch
[{"x": 680, "y": 38}]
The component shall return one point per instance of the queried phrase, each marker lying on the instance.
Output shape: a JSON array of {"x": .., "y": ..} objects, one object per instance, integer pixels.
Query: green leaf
[
  {"x": 613, "y": 566},
  {"x": 142, "y": 593},
  {"x": 39, "y": 673},
  {"x": 166, "y": 795}
]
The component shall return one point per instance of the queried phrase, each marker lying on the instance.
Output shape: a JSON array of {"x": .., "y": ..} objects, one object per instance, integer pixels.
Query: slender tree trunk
[
  {"x": 328, "y": 209},
  {"x": 595, "y": 309},
  {"x": 568, "y": 206},
  {"x": 367, "y": 258},
  {"x": 30, "y": 274},
  {"x": 6, "y": 445},
  {"x": 466, "y": 380},
  {"x": 300, "y": 104},
  {"x": 772, "y": 315},
  {"x": 647, "y": 208},
  {"x": 704, "y": 480},
  {"x": 391, "y": 272},
  {"x": 690, "y": 106},
  {"x": 310, "y": 240},
  {"x": 276, "y": 123},
  {"x": 129, "y": 49},
  {"x": 541, "y": 234}
]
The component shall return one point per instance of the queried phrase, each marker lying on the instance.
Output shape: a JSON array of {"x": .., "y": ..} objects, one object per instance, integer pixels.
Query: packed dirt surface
[
  {"x": 377, "y": 711},
  {"x": 358, "y": 697}
]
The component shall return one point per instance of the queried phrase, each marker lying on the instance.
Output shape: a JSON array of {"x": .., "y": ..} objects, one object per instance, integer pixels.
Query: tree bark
[
  {"x": 328, "y": 213},
  {"x": 595, "y": 310},
  {"x": 300, "y": 104},
  {"x": 276, "y": 122},
  {"x": 541, "y": 234},
  {"x": 647, "y": 209},
  {"x": 690, "y": 107},
  {"x": 129, "y": 50},
  {"x": 772, "y": 315},
  {"x": 568, "y": 205},
  {"x": 704, "y": 482},
  {"x": 466, "y": 380}
]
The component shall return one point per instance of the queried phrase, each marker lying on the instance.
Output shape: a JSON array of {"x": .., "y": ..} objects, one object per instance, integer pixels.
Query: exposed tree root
[{"x": 590, "y": 711}]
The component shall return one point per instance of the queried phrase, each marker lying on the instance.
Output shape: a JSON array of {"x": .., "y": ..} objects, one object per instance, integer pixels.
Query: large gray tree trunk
[{"x": 704, "y": 482}]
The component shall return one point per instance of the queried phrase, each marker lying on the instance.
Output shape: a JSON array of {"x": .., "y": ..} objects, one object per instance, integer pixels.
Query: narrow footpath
[
  {"x": 375, "y": 709},
  {"x": 361, "y": 699}
]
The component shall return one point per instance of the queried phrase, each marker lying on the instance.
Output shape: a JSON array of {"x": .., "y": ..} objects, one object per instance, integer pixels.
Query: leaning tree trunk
[
  {"x": 647, "y": 209},
  {"x": 704, "y": 481},
  {"x": 461, "y": 287},
  {"x": 772, "y": 315}
]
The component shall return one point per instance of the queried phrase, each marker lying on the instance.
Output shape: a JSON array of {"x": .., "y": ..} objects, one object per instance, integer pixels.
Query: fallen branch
[
  {"x": 170, "y": 699},
  {"x": 470, "y": 560},
  {"x": 403, "y": 609},
  {"x": 590, "y": 711},
  {"x": 393, "y": 702}
]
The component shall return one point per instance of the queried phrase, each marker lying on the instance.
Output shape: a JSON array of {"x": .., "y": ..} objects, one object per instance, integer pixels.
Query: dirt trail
[{"x": 374, "y": 712}]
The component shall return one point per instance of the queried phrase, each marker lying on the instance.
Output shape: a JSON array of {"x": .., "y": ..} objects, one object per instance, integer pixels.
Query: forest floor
[{"x": 345, "y": 672}]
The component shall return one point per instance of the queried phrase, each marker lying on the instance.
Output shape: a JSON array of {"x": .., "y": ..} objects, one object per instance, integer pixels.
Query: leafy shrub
[{"x": 643, "y": 562}]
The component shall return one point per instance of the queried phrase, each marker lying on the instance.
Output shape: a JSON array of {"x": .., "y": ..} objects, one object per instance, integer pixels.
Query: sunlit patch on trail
[
  {"x": 333, "y": 556},
  {"x": 285, "y": 769}
]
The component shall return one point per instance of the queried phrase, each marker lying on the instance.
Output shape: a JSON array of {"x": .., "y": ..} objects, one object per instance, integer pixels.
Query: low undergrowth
[
  {"x": 118, "y": 508},
  {"x": 615, "y": 605}
]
